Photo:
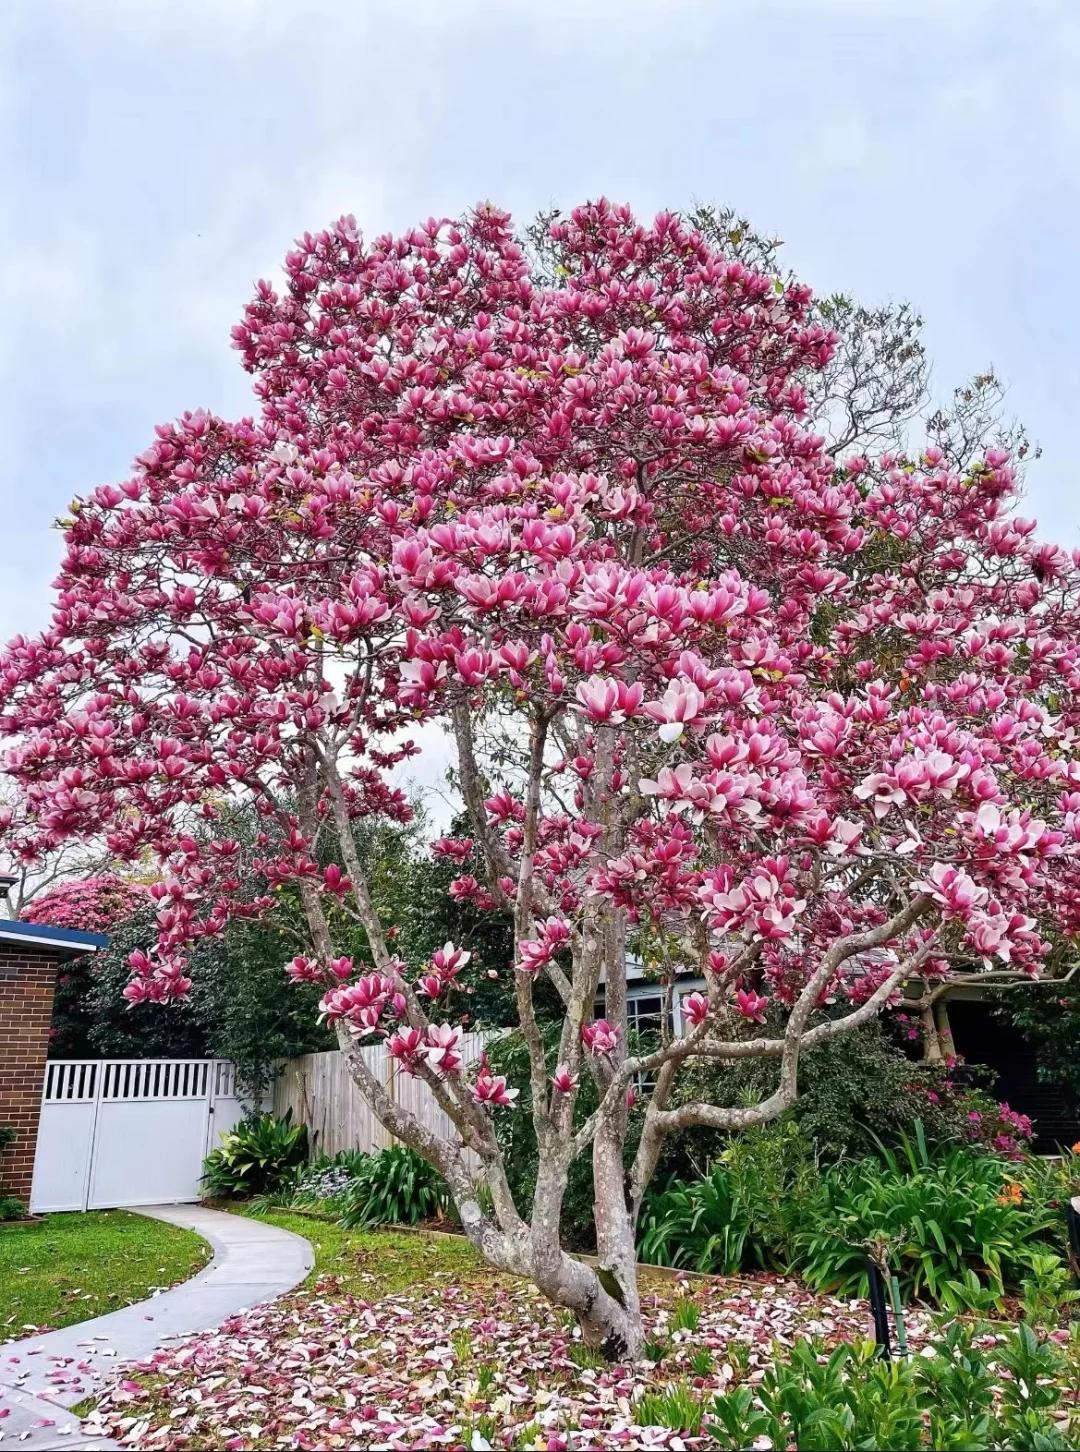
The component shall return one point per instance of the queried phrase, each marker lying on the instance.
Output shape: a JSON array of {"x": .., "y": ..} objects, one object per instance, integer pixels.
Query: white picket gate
[{"x": 119, "y": 1132}]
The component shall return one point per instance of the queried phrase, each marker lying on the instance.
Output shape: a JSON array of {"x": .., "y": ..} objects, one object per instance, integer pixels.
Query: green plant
[
  {"x": 1051, "y": 1180},
  {"x": 587, "y": 1358},
  {"x": 655, "y": 1351},
  {"x": 855, "y": 1091},
  {"x": 394, "y": 1187},
  {"x": 958, "y": 1395},
  {"x": 677, "y": 1407},
  {"x": 737, "y": 1423},
  {"x": 8, "y": 1136},
  {"x": 256, "y": 1157},
  {"x": 11, "y": 1209},
  {"x": 686, "y": 1315},
  {"x": 703, "y": 1363},
  {"x": 849, "y": 1398},
  {"x": 774, "y": 1172},
  {"x": 1046, "y": 1289},
  {"x": 935, "y": 1218},
  {"x": 700, "y": 1226}
]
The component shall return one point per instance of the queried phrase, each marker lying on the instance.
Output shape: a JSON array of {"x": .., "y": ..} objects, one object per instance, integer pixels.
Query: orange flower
[
  {"x": 1012, "y": 1194},
  {"x": 1074, "y": 1149}
]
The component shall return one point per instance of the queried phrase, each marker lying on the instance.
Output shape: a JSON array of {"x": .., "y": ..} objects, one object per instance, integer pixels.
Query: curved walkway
[{"x": 42, "y": 1375}]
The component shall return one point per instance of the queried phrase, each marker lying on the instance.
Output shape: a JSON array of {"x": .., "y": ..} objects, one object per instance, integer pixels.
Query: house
[{"x": 29, "y": 955}]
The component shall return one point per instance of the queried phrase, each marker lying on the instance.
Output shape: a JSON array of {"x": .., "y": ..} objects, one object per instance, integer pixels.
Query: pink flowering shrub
[
  {"x": 997, "y": 1128},
  {"x": 88, "y": 904},
  {"x": 796, "y": 724}
]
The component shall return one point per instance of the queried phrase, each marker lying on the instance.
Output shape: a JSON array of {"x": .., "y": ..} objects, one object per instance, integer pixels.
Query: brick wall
[{"x": 27, "y": 981}]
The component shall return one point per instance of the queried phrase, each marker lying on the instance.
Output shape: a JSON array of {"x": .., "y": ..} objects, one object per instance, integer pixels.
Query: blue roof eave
[{"x": 64, "y": 942}]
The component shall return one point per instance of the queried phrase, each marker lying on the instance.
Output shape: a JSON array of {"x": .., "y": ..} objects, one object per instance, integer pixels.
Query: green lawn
[
  {"x": 67, "y": 1268},
  {"x": 377, "y": 1263}
]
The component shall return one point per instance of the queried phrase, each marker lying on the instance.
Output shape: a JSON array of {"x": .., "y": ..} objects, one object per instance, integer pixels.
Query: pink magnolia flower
[
  {"x": 681, "y": 704},
  {"x": 607, "y": 700},
  {"x": 695, "y": 1008},
  {"x": 441, "y": 1047},
  {"x": 303, "y": 970},
  {"x": 407, "y": 1047},
  {"x": 600, "y": 1037},
  {"x": 448, "y": 961},
  {"x": 491, "y": 1089},
  {"x": 751, "y": 1005},
  {"x": 534, "y": 955},
  {"x": 954, "y": 889},
  {"x": 564, "y": 1081}
]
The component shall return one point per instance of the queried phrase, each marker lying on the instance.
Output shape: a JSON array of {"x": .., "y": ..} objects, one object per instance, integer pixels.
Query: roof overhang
[{"x": 58, "y": 943}]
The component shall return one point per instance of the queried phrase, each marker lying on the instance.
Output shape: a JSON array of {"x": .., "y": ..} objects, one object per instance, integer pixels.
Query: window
[{"x": 645, "y": 1015}]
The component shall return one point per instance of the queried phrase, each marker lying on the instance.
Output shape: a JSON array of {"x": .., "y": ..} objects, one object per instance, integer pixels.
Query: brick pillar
[{"x": 27, "y": 981}]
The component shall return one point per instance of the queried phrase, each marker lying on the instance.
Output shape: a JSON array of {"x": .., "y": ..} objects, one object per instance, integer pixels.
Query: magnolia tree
[{"x": 800, "y": 727}]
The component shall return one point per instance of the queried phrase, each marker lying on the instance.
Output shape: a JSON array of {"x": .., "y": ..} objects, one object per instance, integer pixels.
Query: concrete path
[{"x": 42, "y": 1375}]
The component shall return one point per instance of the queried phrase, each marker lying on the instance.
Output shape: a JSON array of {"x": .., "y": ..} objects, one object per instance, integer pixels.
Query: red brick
[{"x": 27, "y": 981}]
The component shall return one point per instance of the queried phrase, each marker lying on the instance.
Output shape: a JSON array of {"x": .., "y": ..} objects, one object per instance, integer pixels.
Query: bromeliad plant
[{"x": 797, "y": 724}]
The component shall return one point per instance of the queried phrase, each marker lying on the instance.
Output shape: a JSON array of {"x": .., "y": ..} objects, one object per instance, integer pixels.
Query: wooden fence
[{"x": 320, "y": 1093}]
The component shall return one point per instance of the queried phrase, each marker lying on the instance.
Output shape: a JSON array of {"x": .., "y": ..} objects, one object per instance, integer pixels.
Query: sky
[{"x": 156, "y": 158}]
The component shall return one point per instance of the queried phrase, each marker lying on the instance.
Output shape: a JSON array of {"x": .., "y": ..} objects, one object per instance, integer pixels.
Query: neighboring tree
[
  {"x": 801, "y": 727},
  {"x": 235, "y": 1010},
  {"x": 88, "y": 904},
  {"x": 36, "y": 872},
  {"x": 101, "y": 903}
]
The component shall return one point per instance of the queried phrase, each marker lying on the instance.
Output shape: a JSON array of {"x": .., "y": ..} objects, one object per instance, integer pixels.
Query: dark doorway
[{"x": 982, "y": 1038}]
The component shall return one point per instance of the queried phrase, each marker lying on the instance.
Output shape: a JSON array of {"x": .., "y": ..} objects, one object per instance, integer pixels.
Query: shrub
[
  {"x": 990, "y": 1127},
  {"x": 855, "y": 1091},
  {"x": 699, "y": 1227},
  {"x": 744, "y": 1213},
  {"x": 394, "y": 1187},
  {"x": 934, "y": 1219},
  {"x": 257, "y": 1157},
  {"x": 328, "y": 1177},
  {"x": 964, "y": 1393},
  {"x": 1052, "y": 1180},
  {"x": 319, "y": 1186},
  {"x": 10, "y": 1208}
]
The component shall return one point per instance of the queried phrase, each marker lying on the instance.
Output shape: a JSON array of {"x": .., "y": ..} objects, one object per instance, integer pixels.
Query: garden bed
[{"x": 401, "y": 1342}]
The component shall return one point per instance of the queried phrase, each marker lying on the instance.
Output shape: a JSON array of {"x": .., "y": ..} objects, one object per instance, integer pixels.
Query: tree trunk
[
  {"x": 613, "y": 1330},
  {"x": 619, "y": 1336}
]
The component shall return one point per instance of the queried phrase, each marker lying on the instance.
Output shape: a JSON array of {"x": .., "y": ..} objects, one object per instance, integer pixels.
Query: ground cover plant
[{"x": 259, "y": 1155}]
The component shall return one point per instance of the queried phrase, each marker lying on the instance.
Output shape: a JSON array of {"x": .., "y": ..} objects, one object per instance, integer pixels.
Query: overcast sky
[{"x": 157, "y": 157}]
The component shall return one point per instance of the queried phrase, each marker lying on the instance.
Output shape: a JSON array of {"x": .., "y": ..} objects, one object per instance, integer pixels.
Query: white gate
[{"x": 129, "y": 1131}]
